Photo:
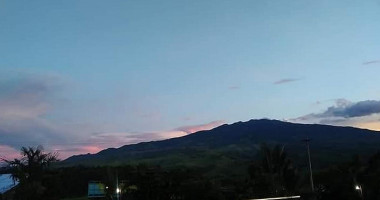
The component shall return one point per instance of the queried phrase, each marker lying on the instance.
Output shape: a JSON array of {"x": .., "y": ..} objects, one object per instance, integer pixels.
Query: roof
[{"x": 6, "y": 183}]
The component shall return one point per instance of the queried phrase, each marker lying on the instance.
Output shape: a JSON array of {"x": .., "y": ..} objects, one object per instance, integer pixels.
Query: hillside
[{"x": 234, "y": 145}]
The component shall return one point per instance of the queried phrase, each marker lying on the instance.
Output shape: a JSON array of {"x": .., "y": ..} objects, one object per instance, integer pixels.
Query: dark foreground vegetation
[{"x": 272, "y": 174}]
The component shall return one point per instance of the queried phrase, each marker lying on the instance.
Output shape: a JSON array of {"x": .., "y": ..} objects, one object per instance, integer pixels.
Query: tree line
[{"x": 272, "y": 174}]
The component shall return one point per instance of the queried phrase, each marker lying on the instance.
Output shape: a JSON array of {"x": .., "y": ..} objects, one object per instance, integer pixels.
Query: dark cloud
[
  {"x": 363, "y": 114},
  {"x": 348, "y": 110},
  {"x": 286, "y": 80},
  {"x": 371, "y": 62}
]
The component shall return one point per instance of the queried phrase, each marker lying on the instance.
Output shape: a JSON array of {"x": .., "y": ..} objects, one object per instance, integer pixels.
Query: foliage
[
  {"x": 29, "y": 171},
  {"x": 339, "y": 181},
  {"x": 273, "y": 174}
]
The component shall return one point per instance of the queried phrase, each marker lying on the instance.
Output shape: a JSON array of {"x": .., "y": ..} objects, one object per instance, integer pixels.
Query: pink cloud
[
  {"x": 8, "y": 153},
  {"x": 200, "y": 127},
  {"x": 100, "y": 141},
  {"x": 27, "y": 104},
  {"x": 172, "y": 134},
  {"x": 65, "y": 151}
]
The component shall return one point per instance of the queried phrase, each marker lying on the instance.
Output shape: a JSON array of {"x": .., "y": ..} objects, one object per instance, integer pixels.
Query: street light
[
  {"x": 359, "y": 188},
  {"x": 117, "y": 186}
]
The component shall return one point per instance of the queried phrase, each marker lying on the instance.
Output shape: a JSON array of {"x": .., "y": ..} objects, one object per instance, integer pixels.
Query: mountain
[{"x": 232, "y": 146}]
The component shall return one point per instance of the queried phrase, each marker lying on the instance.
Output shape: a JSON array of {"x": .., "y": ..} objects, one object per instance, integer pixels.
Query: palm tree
[
  {"x": 275, "y": 172},
  {"x": 29, "y": 171}
]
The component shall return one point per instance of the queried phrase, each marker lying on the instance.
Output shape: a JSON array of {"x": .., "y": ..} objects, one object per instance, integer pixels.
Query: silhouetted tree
[
  {"x": 29, "y": 171},
  {"x": 274, "y": 174}
]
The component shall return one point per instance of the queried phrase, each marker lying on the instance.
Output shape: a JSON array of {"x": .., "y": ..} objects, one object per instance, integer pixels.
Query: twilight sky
[{"x": 78, "y": 76}]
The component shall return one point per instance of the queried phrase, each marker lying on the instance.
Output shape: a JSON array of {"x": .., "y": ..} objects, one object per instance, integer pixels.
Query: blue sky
[{"x": 78, "y": 69}]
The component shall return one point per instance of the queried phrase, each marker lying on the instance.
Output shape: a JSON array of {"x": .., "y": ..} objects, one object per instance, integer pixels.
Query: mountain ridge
[{"x": 239, "y": 142}]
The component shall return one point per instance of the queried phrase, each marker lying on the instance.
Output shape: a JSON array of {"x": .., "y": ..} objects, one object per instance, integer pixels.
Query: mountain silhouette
[{"x": 237, "y": 144}]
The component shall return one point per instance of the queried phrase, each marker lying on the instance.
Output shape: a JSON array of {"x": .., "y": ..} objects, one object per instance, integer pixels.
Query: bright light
[
  {"x": 357, "y": 187},
  {"x": 117, "y": 190},
  {"x": 106, "y": 187},
  {"x": 275, "y": 198}
]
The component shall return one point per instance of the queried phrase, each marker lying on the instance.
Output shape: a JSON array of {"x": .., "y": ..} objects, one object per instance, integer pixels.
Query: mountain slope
[{"x": 236, "y": 144}]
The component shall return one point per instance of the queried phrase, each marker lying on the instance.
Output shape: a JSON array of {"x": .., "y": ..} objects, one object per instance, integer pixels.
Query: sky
[{"x": 78, "y": 76}]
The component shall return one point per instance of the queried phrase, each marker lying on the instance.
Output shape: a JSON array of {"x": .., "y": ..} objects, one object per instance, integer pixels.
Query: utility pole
[{"x": 307, "y": 141}]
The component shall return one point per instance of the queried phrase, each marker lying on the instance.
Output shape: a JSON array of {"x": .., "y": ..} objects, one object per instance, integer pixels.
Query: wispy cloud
[
  {"x": 234, "y": 87},
  {"x": 371, "y": 62},
  {"x": 286, "y": 80},
  {"x": 187, "y": 118}
]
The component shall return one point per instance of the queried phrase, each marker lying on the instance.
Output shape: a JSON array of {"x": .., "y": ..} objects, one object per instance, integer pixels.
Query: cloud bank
[
  {"x": 27, "y": 105},
  {"x": 24, "y": 104}
]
